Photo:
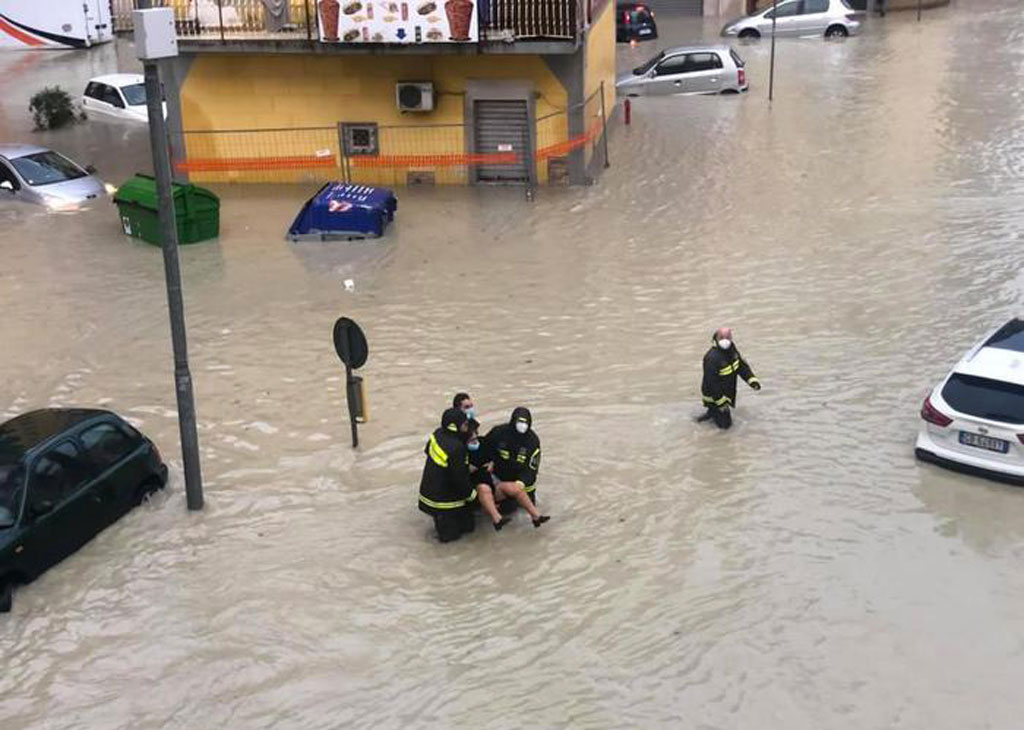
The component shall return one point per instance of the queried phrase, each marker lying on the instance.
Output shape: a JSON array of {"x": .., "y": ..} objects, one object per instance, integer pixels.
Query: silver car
[
  {"x": 828, "y": 18},
  {"x": 687, "y": 70},
  {"x": 38, "y": 175}
]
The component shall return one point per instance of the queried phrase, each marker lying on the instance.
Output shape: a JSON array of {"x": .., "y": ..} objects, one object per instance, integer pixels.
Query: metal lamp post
[
  {"x": 771, "y": 67},
  {"x": 155, "y": 39}
]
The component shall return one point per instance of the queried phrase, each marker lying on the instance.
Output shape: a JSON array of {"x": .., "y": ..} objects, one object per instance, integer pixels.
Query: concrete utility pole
[
  {"x": 771, "y": 67},
  {"x": 155, "y": 38}
]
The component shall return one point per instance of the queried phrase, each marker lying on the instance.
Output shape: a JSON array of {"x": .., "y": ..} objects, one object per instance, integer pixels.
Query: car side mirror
[
  {"x": 91, "y": 169},
  {"x": 7, "y": 185}
]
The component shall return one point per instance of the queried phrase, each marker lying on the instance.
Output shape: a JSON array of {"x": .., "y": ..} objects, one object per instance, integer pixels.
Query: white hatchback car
[
  {"x": 117, "y": 96},
  {"x": 974, "y": 419}
]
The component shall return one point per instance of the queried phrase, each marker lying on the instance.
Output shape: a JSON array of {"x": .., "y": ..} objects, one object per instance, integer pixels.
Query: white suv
[{"x": 974, "y": 420}]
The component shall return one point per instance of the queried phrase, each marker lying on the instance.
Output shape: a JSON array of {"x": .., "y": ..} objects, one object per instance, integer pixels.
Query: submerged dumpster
[
  {"x": 344, "y": 211},
  {"x": 196, "y": 211}
]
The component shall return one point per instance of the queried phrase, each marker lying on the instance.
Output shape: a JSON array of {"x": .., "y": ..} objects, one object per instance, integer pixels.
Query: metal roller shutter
[
  {"x": 501, "y": 127},
  {"x": 691, "y": 7}
]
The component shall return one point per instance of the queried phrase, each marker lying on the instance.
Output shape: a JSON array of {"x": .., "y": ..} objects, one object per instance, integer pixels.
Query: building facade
[{"x": 385, "y": 92}]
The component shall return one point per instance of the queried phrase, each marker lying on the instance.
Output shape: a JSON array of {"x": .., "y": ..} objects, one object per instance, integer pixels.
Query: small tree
[{"x": 53, "y": 108}]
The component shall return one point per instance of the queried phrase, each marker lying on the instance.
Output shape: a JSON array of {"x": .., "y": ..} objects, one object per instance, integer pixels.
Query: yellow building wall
[
  {"x": 600, "y": 61},
  {"x": 294, "y": 93}
]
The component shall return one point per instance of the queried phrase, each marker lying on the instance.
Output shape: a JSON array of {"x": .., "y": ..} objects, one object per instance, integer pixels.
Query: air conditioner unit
[{"x": 415, "y": 96}]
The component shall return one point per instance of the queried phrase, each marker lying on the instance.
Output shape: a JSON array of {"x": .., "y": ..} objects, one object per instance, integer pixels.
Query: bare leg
[
  {"x": 515, "y": 491},
  {"x": 486, "y": 497}
]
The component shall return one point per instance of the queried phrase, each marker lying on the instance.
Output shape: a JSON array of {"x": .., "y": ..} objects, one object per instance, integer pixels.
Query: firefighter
[
  {"x": 464, "y": 402},
  {"x": 722, "y": 364},
  {"x": 446, "y": 492},
  {"x": 516, "y": 450},
  {"x": 481, "y": 473}
]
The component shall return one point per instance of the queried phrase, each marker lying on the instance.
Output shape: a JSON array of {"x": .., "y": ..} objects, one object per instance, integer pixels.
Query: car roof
[
  {"x": 12, "y": 151},
  {"x": 994, "y": 363},
  {"x": 720, "y": 48},
  {"x": 117, "y": 79},
  {"x": 23, "y": 433}
]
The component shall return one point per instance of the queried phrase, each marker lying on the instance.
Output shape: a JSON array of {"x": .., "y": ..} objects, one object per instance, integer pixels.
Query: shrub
[{"x": 53, "y": 108}]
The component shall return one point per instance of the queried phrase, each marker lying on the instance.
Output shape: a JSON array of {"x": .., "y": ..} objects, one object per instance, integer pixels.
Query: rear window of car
[
  {"x": 995, "y": 400},
  {"x": 736, "y": 59},
  {"x": 46, "y": 168}
]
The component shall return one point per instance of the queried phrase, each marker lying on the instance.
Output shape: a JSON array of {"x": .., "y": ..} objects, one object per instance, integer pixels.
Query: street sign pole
[
  {"x": 350, "y": 344},
  {"x": 771, "y": 67}
]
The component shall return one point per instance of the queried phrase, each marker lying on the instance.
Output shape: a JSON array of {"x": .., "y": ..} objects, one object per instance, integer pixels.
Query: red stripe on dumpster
[
  {"x": 232, "y": 164},
  {"x": 502, "y": 158}
]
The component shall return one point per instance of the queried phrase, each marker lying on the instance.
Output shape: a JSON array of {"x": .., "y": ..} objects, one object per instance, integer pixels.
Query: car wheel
[
  {"x": 728, "y": 92},
  {"x": 749, "y": 34},
  {"x": 145, "y": 489},
  {"x": 6, "y": 595},
  {"x": 836, "y": 31}
]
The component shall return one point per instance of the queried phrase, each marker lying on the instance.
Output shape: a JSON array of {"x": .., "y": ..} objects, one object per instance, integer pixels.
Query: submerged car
[
  {"x": 44, "y": 177},
  {"x": 687, "y": 70},
  {"x": 828, "y": 18},
  {"x": 65, "y": 474},
  {"x": 117, "y": 96},
  {"x": 974, "y": 419},
  {"x": 634, "y": 22}
]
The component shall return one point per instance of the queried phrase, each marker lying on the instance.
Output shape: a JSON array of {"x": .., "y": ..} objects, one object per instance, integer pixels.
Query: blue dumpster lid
[
  {"x": 340, "y": 210},
  {"x": 342, "y": 197}
]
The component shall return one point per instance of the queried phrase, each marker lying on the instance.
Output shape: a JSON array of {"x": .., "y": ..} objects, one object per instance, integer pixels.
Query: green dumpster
[{"x": 196, "y": 210}]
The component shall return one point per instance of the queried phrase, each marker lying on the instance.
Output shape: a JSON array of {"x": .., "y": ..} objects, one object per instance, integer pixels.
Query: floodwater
[{"x": 801, "y": 571}]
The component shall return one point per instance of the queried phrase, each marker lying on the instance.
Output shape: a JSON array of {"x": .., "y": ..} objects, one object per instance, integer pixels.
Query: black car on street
[{"x": 65, "y": 474}]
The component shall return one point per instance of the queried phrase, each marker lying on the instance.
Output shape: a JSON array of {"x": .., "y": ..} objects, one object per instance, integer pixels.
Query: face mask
[
  {"x": 725, "y": 343},
  {"x": 470, "y": 412},
  {"x": 522, "y": 426},
  {"x": 473, "y": 445}
]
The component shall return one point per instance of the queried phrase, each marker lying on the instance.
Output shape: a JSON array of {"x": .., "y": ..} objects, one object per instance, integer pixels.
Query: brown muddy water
[{"x": 800, "y": 571}]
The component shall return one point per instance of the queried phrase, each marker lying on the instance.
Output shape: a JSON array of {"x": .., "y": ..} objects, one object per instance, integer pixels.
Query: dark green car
[{"x": 65, "y": 474}]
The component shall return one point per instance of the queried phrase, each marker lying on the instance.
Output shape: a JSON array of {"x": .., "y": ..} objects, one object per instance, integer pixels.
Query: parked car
[
  {"x": 974, "y": 419},
  {"x": 65, "y": 474},
  {"x": 117, "y": 96},
  {"x": 38, "y": 175},
  {"x": 828, "y": 18},
  {"x": 634, "y": 22},
  {"x": 687, "y": 70}
]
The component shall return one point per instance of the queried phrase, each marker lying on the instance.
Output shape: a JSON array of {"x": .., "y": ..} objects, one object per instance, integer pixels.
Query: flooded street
[{"x": 800, "y": 571}]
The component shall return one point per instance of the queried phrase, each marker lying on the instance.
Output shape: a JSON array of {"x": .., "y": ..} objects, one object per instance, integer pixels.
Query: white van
[{"x": 31, "y": 24}]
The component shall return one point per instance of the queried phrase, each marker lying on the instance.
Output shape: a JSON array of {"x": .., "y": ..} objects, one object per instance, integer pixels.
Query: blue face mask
[
  {"x": 470, "y": 413},
  {"x": 473, "y": 446}
]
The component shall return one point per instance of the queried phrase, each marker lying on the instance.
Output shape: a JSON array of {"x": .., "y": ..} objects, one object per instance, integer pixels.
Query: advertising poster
[{"x": 397, "y": 21}]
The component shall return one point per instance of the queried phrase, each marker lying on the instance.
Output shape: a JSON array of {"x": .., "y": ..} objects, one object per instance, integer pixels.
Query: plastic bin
[
  {"x": 344, "y": 211},
  {"x": 196, "y": 210}
]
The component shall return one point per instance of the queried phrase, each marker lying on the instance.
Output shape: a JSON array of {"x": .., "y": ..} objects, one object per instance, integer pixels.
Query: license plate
[
  {"x": 984, "y": 442},
  {"x": 645, "y": 31}
]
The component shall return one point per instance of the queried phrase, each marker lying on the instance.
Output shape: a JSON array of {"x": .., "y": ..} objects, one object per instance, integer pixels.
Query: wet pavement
[{"x": 800, "y": 571}]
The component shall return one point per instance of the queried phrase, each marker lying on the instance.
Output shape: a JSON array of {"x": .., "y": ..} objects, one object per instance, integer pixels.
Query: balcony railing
[{"x": 275, "y": 20}]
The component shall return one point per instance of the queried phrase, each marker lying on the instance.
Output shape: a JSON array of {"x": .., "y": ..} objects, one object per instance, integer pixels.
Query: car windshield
[
  {"x": 46, "y": 168},
  {"x": 135, "y": 94},
  {"x": 12, "y": 483},
  {"x": 994, "y": 400},
  {"x": 641, "y": 70}
]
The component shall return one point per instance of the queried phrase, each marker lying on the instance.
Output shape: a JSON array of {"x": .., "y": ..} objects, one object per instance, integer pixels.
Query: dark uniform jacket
[
  {"x": 721, "y": 367},
  {"x": 479, "y": 460},
  {"x": 445, "y": 484},
  {"x": 516, "y": 455}
]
